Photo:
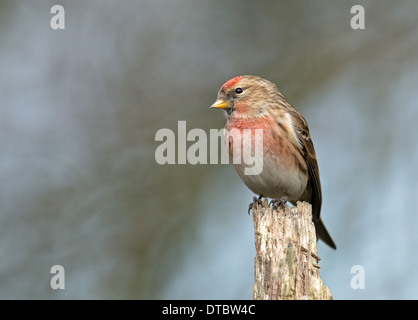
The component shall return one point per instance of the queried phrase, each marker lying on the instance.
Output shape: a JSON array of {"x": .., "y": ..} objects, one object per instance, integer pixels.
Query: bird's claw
[
  {"x": 255, "y": 203},
  {"x": 279, "y": 202}
]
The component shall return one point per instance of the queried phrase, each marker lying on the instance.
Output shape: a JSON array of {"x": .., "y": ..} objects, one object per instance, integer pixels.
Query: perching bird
[{"x": 289, "y": 166}]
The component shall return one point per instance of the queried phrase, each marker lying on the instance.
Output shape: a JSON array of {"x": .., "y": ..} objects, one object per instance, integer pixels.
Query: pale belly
[{"x": 278, "y": 178}]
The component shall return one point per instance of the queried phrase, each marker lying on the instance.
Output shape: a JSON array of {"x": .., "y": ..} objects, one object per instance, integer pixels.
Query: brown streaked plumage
[{"x": 290, "y": 167}]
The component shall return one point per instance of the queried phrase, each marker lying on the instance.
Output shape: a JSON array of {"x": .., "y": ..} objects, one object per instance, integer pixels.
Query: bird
[{"x": 290, "y": 169}]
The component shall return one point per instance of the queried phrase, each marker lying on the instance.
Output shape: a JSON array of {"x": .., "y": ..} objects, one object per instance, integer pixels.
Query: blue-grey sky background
[{"x": 80, "y": 107}]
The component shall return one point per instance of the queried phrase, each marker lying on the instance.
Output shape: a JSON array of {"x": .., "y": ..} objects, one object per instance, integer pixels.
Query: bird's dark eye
[{"x": 238, "y": 90}]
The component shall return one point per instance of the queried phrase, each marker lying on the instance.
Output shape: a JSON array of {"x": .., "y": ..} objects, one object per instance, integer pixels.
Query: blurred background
[{"x": 79, "y": 109}]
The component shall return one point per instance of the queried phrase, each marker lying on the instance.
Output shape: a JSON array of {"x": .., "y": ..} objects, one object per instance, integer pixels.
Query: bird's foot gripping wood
[
  {"x": 256, "y": 202},
  {"x": 279, "y": 202}
]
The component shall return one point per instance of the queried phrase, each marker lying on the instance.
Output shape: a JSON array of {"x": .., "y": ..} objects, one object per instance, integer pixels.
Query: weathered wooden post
[{"x": 286, "y": 262}]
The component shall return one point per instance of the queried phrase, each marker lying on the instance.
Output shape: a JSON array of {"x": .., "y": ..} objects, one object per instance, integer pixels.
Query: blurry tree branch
[{"x": 286, "y": 262}]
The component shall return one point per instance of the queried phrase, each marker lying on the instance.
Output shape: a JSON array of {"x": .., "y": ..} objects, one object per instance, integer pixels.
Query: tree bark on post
[{"x": 286, "y": 261}]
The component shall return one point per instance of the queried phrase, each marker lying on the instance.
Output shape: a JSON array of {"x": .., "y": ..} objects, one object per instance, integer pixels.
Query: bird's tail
[{"x": 322, "y": 233}]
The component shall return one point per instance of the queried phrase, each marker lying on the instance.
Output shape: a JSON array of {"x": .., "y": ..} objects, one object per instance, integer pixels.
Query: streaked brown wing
[{"x": 307, "y": 150}]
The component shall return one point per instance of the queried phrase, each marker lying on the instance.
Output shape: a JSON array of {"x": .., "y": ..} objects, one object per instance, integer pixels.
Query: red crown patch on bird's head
[{"x": 232, "y": 82}]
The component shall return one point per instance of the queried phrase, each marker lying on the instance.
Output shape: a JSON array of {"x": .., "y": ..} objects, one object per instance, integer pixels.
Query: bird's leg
[
  {"x": 279, "y": 202},
  {"x": 256, "y": 201}
]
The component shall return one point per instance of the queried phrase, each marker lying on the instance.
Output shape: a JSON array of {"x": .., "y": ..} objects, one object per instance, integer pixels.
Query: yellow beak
[{"x": 220, "y": 104}]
